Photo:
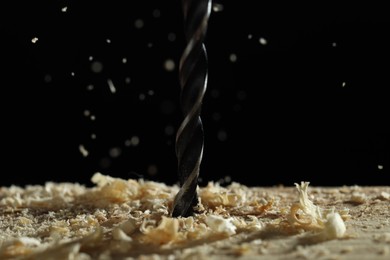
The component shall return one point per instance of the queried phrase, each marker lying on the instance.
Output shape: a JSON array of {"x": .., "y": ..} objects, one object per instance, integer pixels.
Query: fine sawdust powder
[{"x": 120, "y": 219}]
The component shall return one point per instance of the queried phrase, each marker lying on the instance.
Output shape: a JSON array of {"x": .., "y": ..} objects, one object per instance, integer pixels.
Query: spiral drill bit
[{"x": 193, "y": 82}]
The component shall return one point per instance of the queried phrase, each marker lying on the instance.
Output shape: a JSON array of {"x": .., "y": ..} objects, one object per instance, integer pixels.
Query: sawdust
[{"x": 120, "y": 219}]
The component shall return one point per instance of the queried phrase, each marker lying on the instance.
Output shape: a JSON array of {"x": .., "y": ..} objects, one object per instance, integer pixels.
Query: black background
[{"x": 310, "y": 104}]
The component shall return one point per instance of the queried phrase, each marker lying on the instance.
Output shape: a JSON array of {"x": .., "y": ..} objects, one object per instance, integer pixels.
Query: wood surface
[{"x": 127, "y": 219}]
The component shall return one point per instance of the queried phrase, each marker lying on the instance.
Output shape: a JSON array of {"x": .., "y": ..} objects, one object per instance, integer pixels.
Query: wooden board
[{"x": 127, "y": 218}]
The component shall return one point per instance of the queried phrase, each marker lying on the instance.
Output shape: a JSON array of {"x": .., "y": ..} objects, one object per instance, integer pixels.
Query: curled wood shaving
[{"x": 305, "y": 214}]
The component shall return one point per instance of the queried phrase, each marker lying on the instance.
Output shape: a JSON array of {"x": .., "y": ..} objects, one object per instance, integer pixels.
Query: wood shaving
[
  {"x": 384, "y": 196},
  {"x": 307, "y": 215},
  {"x": 358, "y": 198}
]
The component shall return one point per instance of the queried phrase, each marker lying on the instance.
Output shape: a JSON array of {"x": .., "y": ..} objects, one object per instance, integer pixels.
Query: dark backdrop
[{"x": 306, "y": 102}]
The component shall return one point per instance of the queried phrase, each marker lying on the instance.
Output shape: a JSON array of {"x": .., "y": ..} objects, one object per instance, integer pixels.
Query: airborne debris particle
[
  {"x": 142, "y": 96},
  {"x": 87, "y": 113},
  {"x": 93, "y": 136},
  {"x": 97, "y": 66},
  {"x": 217, "y": 7},
  {"x": 233, "y": 57},
  {"x": 64, "y": 9},
  {"x": 83, "y": 151},
  {"x": 169, "y": 65},
  {"x": 380, "y": 167},
  {"x": 156, "y": 13},
  {"x": 171, "y": 37},
  {"x": 90, "y": 87},
  {"x": 72, "y": 74},
  {"x": 34, "y": 40},
  {"x": 152, "y": 169},
  {"x": 150, "y": 92},
  {"x": 111, "y": 86},
  {"x": 250, "y": 36},
  {"x": 90, "y": 58},
  {"x": 343, "y": 84},
  {"x": 237, "y": 108},
  {"x": 222, "y": 135},
  {"x": 115, "y": 152},
  {"x": 216, "y": 116},
  {"x": 47, "y": 78},
  {"x": 334, "y": 44},
  {"x": 108, "y": 41},
  {"x": 150, "y": 45},
  {"x": 93, "y": 117},
  {"x": 133, "y": 141},
  {"x": 139, "y": 23},
  {"x": 169, "y": 130},
  {"x": 262, "y": 41},
  {"x": 214, "y": 93},
  {"x": 241, "y": 95},
  {"x": 105, "y": 163},
  {"x": 124, "y": 60},
  {"x": 127, "y": 80}
]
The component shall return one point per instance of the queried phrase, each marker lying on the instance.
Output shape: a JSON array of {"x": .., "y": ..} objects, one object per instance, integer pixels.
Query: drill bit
[{"x": 193, "y": 83}]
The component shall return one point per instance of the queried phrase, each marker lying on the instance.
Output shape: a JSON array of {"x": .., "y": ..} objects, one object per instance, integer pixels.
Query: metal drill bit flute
[{"x": 193, "y": 82}]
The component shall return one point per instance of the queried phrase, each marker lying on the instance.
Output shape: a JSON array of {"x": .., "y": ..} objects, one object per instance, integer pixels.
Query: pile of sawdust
[{"x": 127, "y": 218}]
